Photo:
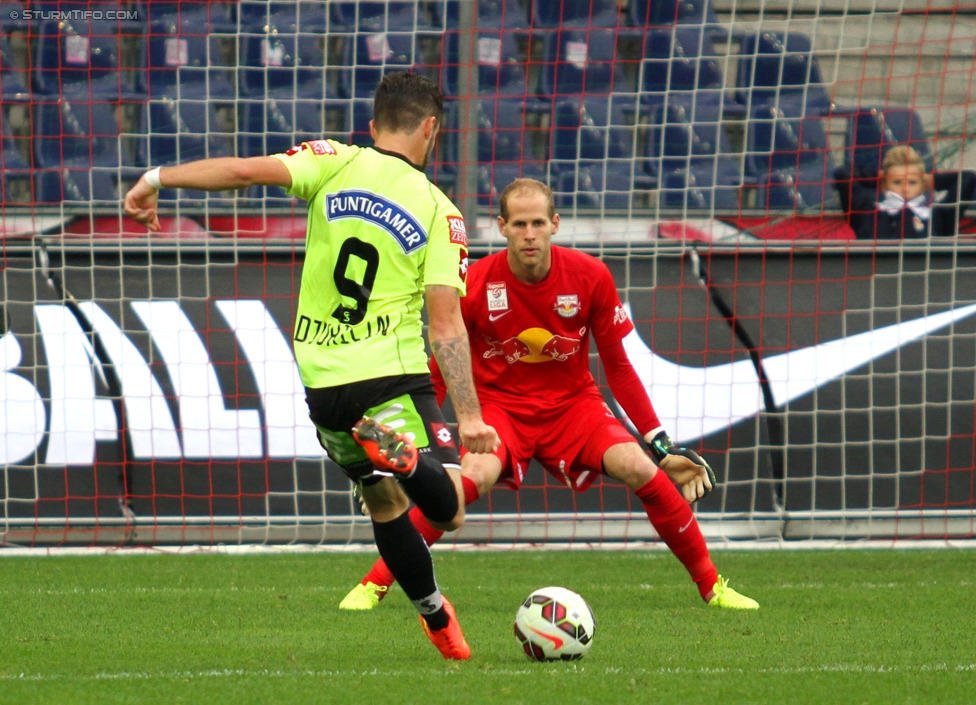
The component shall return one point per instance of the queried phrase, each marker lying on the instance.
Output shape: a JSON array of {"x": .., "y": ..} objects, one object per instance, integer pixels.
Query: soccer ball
[{"x": 554, "y": 624}]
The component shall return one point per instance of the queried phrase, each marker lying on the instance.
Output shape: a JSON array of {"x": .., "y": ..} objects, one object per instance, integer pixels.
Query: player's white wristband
[{"x": 152, "y": 178}]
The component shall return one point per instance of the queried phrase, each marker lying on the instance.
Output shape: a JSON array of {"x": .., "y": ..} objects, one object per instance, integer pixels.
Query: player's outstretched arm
[
  {"x": 686, "y": 469},
  {"x": 221, "y": 174},
  {"x": 449, "y": 343}
]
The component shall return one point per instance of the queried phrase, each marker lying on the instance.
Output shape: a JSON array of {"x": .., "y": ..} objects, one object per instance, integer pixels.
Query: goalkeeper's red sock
[
  {"x": 380, "y": 574},
  {"x": 672, "y": 518}
]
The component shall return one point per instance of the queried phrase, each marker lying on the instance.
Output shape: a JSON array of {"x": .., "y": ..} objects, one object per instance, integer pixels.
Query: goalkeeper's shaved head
[
  {"x": 521, "y": 187},
  {"x": 404, "y": 100}
]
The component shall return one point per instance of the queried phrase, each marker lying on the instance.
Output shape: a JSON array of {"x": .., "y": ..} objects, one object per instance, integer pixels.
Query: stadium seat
[
  {"x": 184, "y": 130},
  {"x": 290, "y": 66},
  {"x": 375, "y": 17},
  {"x": 87, "y": 59},
  {"x": 502, "y": 132},
  {"x": 79, "y": 148},
  {"x": 188, "y": 129},
  {"x": 287, "y": 17},
  {"x": 782, "y": 70},
  {"x": 494, "y": 177},
  {"x": 593, "y": 113},
  {"x": 77, "y": 134},
  {"x": 577, "y": 62},
  {"x": 192, "y": 100},
  {"x": 680, "y": 59},
  {"x": 277, "y": 124},
  {"x": 16, "y": 148},
  {"x": 202, "y": 17},
  {"x": 871, "y": 132},
  {"x": 687, "y": 126},
  {"x": 14, "y": 80},
  {"x": 12, "y": 19},
  {"x": 548, "y": 14},
  {"x": 646, "y": 13},
  {"x": 180, "y": 131},
  {"x": 184, "y": 62},
  {"x": 594, "y": 185},
  {"x": 502, "y": 135},
  {"x": 16, "y": 175},
  {"x": 362, "y": 113},
  {"x": 790, "y": 158},
  {"x": 493, "y": 15},
  {"x": 191, "y": 112},
  {"x": 501, "y": 71},
  {"x": 688, "y": 144},
  {"x": 372, "y": 55},
  {"x": 595, "y": 140},
  {"x": 505, "y": 144},
  {"x": 697, "y": 190}
]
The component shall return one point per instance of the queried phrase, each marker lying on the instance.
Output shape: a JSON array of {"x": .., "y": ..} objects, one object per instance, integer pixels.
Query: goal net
[{"x": 709, "y": 152}]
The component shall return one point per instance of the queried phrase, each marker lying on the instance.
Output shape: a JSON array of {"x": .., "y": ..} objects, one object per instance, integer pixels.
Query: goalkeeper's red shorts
[{"x": 569, "y": 442}]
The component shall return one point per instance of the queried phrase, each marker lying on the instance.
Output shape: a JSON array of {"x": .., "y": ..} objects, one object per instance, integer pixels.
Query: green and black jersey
[{"x": 378, "y": 233}]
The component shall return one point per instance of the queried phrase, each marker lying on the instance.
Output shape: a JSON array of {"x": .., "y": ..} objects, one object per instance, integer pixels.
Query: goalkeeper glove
[{"x": 684, "y": 466}]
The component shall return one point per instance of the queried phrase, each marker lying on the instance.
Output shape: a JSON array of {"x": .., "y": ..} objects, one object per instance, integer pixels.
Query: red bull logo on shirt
[
  {"x": 534, "y": 345},
  {"x": 567, "y": 305}
]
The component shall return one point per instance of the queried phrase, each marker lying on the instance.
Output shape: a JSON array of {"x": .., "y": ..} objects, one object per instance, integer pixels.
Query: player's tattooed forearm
[{"x": 454, "y": 358}]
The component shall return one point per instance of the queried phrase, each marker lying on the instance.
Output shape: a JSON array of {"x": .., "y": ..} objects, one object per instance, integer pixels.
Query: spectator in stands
[
  {"x": 904, "y": 202},
  {"x": 382, "y": 241},
  {"x": 531, "y": 310}
]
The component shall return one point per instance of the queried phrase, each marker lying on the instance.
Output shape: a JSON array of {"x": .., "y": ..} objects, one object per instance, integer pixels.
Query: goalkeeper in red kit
[{"x": 530, "y": 312}]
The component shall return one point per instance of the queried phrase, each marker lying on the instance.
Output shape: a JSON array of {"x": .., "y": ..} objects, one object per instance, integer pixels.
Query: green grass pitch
[{"x": 845, "y": 626}]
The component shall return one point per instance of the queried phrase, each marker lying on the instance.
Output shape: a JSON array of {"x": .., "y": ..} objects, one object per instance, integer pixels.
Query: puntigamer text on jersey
[{"x": 376, "y": 209}]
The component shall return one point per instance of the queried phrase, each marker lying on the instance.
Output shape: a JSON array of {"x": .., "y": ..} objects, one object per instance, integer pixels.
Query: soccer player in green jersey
[{"x": 381, "y": 240}]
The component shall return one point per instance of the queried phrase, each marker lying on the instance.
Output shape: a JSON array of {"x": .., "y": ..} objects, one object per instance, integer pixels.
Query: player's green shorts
[{"x": 406, "y": 403}]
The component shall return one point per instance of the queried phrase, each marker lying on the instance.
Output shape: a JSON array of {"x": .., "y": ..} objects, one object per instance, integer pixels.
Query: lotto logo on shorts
[
  {"x": 321, "y": 147},
  {"x": 443, "y": 435},
  {"x": 459, "y": 235}
]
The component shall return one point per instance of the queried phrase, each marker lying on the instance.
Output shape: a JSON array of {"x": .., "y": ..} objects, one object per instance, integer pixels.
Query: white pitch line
[
  {"x": 714, "y": 545},
  {"x": 577, "y": 668}
]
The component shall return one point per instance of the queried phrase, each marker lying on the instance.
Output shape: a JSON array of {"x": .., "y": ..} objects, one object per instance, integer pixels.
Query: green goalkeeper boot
[
  {"x": 727, "y": 598},
  {"x": 364, "y": 597}
]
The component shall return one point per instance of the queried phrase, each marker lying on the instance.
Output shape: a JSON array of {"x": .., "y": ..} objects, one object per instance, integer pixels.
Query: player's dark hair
[
  {"x": 520, "y": 186},
  {"x": 404, "y": 100}
]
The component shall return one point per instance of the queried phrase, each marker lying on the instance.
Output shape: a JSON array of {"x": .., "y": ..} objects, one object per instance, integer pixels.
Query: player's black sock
[
  {"x": 431, "y": 489},
  {"x": 408, "y": 558}
]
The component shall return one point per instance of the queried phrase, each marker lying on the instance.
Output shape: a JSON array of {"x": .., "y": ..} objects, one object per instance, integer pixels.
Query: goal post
[
  {"x": 149, "y": 394},
  {"x": 832, "y": 392}
]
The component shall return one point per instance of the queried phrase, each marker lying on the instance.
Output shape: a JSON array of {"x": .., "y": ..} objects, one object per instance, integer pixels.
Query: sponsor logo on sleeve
[
  {"x": 620, "y": 315},
  {"x": 459, "y": 235},
  {"x": 322, "y": 147}
]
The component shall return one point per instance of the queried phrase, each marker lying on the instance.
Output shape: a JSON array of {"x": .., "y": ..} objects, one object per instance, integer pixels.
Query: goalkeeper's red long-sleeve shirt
[{"x": 530, "y": 342}]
